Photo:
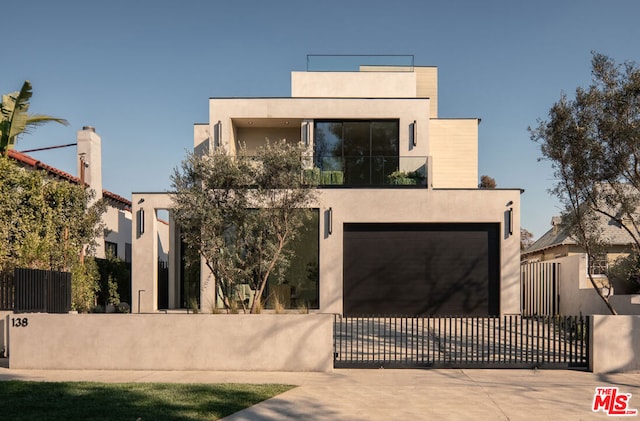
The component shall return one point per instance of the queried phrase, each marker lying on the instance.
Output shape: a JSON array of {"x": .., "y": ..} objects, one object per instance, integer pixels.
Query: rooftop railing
[{"x": 356, "y": 63}]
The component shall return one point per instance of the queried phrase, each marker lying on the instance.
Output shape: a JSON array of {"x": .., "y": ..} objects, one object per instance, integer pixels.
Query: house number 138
[{"x": 20, "y": 322}]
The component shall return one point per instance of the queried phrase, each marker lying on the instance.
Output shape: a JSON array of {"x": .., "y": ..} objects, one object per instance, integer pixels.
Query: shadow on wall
[{"x": 615, "y": 341}]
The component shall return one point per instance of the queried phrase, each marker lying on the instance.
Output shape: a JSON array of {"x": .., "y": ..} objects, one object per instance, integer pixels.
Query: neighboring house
[
  {"x": 381, "y": 242},
  {"x": 557, "y": 243},
  {"x": 117, "y": 218},
  {"x": 572, "y": 287}
]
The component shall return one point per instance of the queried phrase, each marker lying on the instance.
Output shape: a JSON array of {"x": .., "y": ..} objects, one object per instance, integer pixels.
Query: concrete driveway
[{"x": 409, "y": 394}]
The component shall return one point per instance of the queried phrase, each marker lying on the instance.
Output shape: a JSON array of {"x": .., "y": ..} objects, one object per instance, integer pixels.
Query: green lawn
[{"x": 20, "y": 400}]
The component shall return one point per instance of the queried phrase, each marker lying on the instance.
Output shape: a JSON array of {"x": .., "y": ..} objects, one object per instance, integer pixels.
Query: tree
[
  {"x": 44, "y": 224},
  {"x": 593, "y": 144},
  {"x": 241, "y": 212},
  {"x": 526, "y": 238},
  {"x": 487, "y": 182},
  {"x": 15, "y": 118}
]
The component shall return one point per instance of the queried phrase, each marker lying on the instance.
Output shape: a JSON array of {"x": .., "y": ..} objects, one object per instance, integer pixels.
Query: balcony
[{"x": 369, "y": 171}]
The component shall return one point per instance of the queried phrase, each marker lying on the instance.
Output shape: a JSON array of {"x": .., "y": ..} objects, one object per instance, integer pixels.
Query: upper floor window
[{"x": 356, "y": 152}]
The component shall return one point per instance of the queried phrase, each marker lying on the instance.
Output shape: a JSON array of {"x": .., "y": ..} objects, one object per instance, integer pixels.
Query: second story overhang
[{"x": 277, "y": 118}]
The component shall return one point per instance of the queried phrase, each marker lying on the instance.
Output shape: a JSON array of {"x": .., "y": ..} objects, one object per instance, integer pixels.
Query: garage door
[{"x": 421, "y": 269}]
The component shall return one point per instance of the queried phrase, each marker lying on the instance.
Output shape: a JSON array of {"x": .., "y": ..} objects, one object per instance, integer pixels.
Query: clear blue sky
[{"x": 141, "y": 72}]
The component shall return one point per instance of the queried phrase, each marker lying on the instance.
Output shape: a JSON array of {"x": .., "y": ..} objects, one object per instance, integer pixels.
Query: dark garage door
[{"x": 421, "y": 269}]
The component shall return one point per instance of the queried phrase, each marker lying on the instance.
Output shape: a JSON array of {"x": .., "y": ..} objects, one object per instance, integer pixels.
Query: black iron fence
[
  {"x": 461, "y": 342},
  {"x": 42, "y": 291}
]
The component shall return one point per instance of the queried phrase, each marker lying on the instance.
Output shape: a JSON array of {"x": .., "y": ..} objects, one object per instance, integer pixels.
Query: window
[
  {"x": 110, "y": 249},
  {"x": 299, "y": 288},
  {"x": 356, "y": 153},
  {"x": 127, "y": 252},
  {"x": 598, "y": 265}
]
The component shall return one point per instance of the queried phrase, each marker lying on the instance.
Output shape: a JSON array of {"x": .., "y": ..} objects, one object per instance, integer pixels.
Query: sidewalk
[{"x": 395, "y": 394}]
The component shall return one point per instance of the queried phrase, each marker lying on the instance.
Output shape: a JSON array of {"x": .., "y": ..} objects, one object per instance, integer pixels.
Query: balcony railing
[
  {"x": 361, "y": 171},
  {"x": 369, "y": 171}
]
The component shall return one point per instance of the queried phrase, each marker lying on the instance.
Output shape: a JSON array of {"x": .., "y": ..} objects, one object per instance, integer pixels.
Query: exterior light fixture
[
  {"x": 330, "y": 220},
  {"x": 139, "y": 292},
  {"x": 508, "y": 218},
  {"x": 217, "y": 134},
  {"x": 304, "y": 133},
  {"x": 414, "y": 133},
  {"x": 140, "y": 221}
]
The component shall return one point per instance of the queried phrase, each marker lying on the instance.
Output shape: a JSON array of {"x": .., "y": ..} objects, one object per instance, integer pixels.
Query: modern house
[{"x": 400, "y": 224}]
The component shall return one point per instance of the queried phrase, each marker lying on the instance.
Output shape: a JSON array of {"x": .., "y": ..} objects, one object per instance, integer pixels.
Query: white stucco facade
[{"x": 444, "y": 150}]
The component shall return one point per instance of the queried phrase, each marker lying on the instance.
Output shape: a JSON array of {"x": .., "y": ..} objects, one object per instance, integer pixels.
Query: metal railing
[
  {"x": 356, "y": 63},
  {"x": 461, "y": 342}
]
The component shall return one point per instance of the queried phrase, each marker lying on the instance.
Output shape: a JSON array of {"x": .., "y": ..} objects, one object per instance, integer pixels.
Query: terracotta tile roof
[
  {"x": 32, "y": 162},
  {"x": 117, "y": 198}
]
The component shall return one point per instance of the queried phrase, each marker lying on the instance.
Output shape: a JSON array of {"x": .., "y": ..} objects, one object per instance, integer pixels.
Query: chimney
[
  {"x": 556, "y": 223},
  {"x": 90, "y": 159}
]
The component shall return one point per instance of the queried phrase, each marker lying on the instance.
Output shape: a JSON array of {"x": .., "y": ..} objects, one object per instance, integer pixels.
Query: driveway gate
[{"x": 510, "y": 341}]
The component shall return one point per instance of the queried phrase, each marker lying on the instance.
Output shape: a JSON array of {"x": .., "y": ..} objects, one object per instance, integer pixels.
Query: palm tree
[{"x": 15, "y": 118}]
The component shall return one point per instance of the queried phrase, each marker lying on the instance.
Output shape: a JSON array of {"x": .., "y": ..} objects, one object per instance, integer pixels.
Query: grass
[{"x": 20, "y": 400}]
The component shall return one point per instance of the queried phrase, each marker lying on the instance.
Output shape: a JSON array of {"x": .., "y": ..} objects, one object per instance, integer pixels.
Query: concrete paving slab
[
  {"x": 360, "y": 395},
  {"x": 445, "y": 394}
]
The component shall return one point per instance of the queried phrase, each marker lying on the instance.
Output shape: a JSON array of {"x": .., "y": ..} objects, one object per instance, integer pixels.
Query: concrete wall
[
  {"x": 260, "y": 112},
  {"x": 372, "y": 82},
  {"x": 253, "y": 138},
  {"x": 118, "y": 223},
  {"x": 146, "y": 249},
  {"x": 577, "y": 295},
  {"x": 453, "y": 143},
  {"x": 4, "y": 332},
  {"x": 201, "y": 133},
  {"x": 353, "y": 206},
  {"x": 614, "y": 344},
  {"x": 421, "y": 206},
  {"x": 427, "y": 86},
  {"x": 267, "y": 342},
  {"x": 628, "y": 304},
  {"x": 401, "y": 84},
  {"x": 453, "y": 146}
]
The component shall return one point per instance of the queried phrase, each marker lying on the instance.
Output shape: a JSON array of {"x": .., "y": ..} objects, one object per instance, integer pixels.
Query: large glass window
[
  {"x": 299, "y": 286},
  {"x": 356, "y": 153}
]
